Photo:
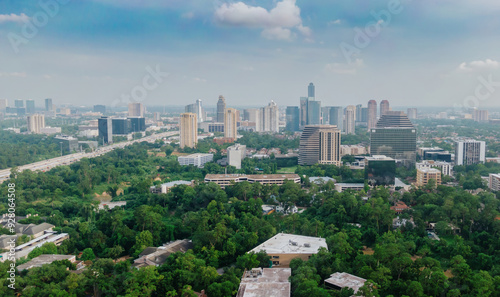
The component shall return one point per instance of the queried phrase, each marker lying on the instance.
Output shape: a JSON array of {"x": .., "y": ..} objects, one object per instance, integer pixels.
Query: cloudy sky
[{"x": 413, "y": 53}]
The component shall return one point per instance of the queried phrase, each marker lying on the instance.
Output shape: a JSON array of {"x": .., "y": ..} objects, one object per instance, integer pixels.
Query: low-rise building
[
  {"x": 424, "y": 175},
  {"x": 235, "y": 154},
  {"x": 380, "y": 170},
  {"x": 445, "y": 167},
  {"x": 198, "y": 160},
  {"x": 272, "y": 282},
  {"x": 282, "y": 248},
  {"x": 224, "y": 180},
  {"x": 400, "y": 207},
  {"x": 165, "y": 188},
  {"x": 338, "y": 281},
  {"x": 158, "y": 255},
  {"x": 341, "y": 187},
  {"x": 45, "y": 259}
]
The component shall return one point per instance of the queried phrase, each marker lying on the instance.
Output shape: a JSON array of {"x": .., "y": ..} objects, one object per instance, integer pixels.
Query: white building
[
  {"x": 36, "y": 123},
  {"x": 197, "y": 160},
  {"x": 445, "y": 167},
  {"x": 468, "y": 152},
  {"x": 494, "y": 182},
  {"x": 235, "y": 154},
  {"x": 270, "y": 118},
  {"x": 164, "y": 188}
]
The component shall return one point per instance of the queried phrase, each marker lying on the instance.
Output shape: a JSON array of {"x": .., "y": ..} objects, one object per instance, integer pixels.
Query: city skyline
[{"x": 252, "y": 51}]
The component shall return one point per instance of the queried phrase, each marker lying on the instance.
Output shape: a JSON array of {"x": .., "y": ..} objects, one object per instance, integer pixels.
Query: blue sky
[{"x": 426, "y": 53}]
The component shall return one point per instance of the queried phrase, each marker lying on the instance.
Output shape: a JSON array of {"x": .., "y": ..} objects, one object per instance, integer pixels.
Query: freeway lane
[{"x": 69, "y": 159}]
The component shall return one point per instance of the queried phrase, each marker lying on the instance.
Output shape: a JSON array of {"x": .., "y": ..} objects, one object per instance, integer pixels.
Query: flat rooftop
[
  {"x": 269, "y": 282},
  {"x": 346, "y": 280},
  {"x": 44, "y": 259},
  {"x": 379, "y": 158},
  {"x": 176, "y": 183},
  {"x": 252, "y": 176},
  {"x": 429, "y": 170},
  {"x": 196, "y": 155},
  {"x": 291, "y": 244}
]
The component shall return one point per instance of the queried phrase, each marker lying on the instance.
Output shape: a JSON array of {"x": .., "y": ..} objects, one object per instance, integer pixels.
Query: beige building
[
  {"x": 426, "y": 174},
  {"x": 230, "y": 123},
  {"x": 282, "y": 248},
  {"x": 272, "y": 282},
  {"x": 188, "y": 130},
  {"x": 224, "y": 180},
  {"x": 136, "y": 110},
  {"x": 320, "y": 144},
  {"x": 350, "y": 119},
  {"x": 36, "y": 123}
]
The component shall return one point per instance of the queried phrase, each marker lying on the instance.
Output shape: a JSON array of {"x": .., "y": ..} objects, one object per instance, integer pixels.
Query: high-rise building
[
  {"x": 325, "y": 115},
  {"x": 349, "y": 121},
  {"x": 359, "y": 110},
  {"x": 120, "y": 126},
  {"x": 221, "y": 109},
  {"x": 105, "y": 127},
  {"x": 412, "y": 113},
  {"x": 100, "y": 108},
  {"x": 230, "y": 124},
  {"x": 4, "y": 103},
  {"x": 253, "y": 115},
  {"x": 384, "y": 107},
  {"x": 394, "y": 136},
  {"x": 137, "y": 124},
  {"x": 424, "y": 175},
  {"x": 292, "y": 118},
  {"x": 311, "y": 91},
  {"x": 270, "y": 118},
  {"x": 196, "y": 108},
  {"x": 494, "y": 182},
  {"x": 188, "y": 130},
  {"x": 320, "y": 144},
  {"x": 313, "y": 112},
  {"x": 48, "y": 105},
  {"x": 19, "y": 103},
  {"x": 35, "y": 123},
  {"x": 380, "y": 170},
  {"x": 480, "y": 115},
  {"x": 372, "y": 114},
  {"x": 364, "y": 115},
  {"x": 235, "y": 154},
  {"x": 303, "y": 112},
  {"x": 468, "y": 152},
  {"x": 30, "y": 106},
  {"x": 337, "y": 117},
  {"x": 135, "y": 110}
]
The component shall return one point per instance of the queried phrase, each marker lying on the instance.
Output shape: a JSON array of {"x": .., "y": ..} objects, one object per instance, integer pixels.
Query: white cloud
[
  {"x": 335, "y": 22},
  {"x": 345, "y": 68},
  {"x": 13, "y": 74},
  {"x": 188, "y": 15},
  {"x": 487, "y": 64},
  {"x": 13, "y": 18},
  {"x": 277, "y": 22}
]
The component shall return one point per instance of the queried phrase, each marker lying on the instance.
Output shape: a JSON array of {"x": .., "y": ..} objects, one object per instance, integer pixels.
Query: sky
[{"x": 172, "y": 52}]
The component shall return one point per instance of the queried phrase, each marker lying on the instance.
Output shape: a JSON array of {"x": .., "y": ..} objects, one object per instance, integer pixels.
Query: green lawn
[{"x": 287, "y": 169}]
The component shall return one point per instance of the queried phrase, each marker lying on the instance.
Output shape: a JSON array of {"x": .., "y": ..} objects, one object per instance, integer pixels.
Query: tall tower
[
  {"x": 35, "y": 123},
  {"x": 372, "y": 114},
  {"x": 30, "y": 106},
  {"x": 230, "y": 123},
  {"x": 292, "y": 118},
  {"x": 48, "y": 104},
  {"x": 384, "y": 107},
  {"x": 337, "y": 117},
  {"x": 311, "y": 91},
  {"x": 349, "y": 119},
  {"x": 188, "y": 130},
  {"x": 319, "y": 144},
  {"x": 270, "y": 118},
  {"x": 135, "y": 110},
  {"x": 221, "y": 107}
]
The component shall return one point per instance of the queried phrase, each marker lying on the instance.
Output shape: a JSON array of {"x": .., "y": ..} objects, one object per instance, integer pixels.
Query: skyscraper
[
  {"x": 48, "y": 105},
  {"x": 270, "y": 118},
  {"x": 35, "y": 123},
  {"x": 221, "y": 108},
  {"x": 230, "y": 123},
  {"x": 303, "y": 112},
  {"x": 4, "y": 103},
  {"x": 349, "y": 121},
  {"x": 480, "y": 115},
  {"x": 372, "y": 114},
  {"x": 105, "y": 127},
  {"x": 395, "y": 137},
  {"x": 313, "y": 112},
  {"x": 18, "y": 103},
  {"x": 311, "y": 91},
  {"x": 135, "y": 110},
  {"x": 319, "y": 144},
  {"x": 30, "y": 106},
  {"x": 337, "y": 117},
  {"x": 253, "y": 115},
  {"x": 100, "y": 108},
  {"x": 468, "y": 152},
  {"x": 325, "y": 115},
  {"x": 364, "y": 115},
  {"x": 384, "y": 107},
  {"x": 412, "y": 113},
  {"x": 292, "y": 118},
  {"x": 188, "y": 130},
  {"x": 359, "y": 110}
]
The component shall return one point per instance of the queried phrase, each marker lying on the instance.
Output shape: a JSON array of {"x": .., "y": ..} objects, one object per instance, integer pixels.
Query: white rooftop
[{"x": 291, "y": 244}]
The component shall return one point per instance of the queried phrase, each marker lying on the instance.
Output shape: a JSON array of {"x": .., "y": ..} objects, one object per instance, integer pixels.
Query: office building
[
  {"x": 445, "y": 167},
  {"x": 372, "y": 114},
  {"x": 36, "y": 122},
  {"x": 337, "y": 117},
  {"x": 349, "y": 119},
  {"x": 265, "y": 282},
  {"x": 270, "y": 118},
  {"x": 137, "y": 124},
  {"x": 320, "y": 144},
  {"x": 282, "y": 248},
  {"x": 303, "y": 112},
  {"x": 197, "y": 109},
  {"x": 224, "y": 180},
  {"x": 19, "y": 103},
  {"x": 100, "y": 108},
  {"x": 230, "y": 123},
  {"x": 30, "y": 106},
  {"x": 235, "y": 154},
  {"x": 197, "y": 160},
  {"x": 48, "y": 105},
  {"x": 292, "y": 118},
  {"x": 468, "y": 152},
  {"x": 45, "y": 259},
  {"x": 165, "y": 188},
  {"x": 4, "y": 103},
  {"x": 394, "y": 136},
  {"x": 311, "y": 91},
  {"x": 424, "y": 175},
  {"x": 494, "y": 182},
  {"x": 412, "y": 113},
  {"x": 338, "y": 281},
  {"x": 135, "y": 110},
  {"x": 480, "y": 115},
  {"x": 188, "y": 130},
  {"x": 364, "y": 115},
  {"x": 384, "y": 107},
  {"x": 325, "y": 115},
  {"x": 313, "y": 112},
  {"x": 211, "y": 127},
  {"x": 380, "y": 170},
  {"x": 120, "y": 126},
  {"x": 221, "y": 109},
  {"x": 105, "y": 127},
  {"x": 68, "y": 144}
]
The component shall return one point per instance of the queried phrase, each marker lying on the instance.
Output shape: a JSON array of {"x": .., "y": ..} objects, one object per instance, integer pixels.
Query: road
[{"x": 69, "y": 159}]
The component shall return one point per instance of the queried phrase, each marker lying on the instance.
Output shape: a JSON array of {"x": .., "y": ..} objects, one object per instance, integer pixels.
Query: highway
[{"x": 71, "y": 158}]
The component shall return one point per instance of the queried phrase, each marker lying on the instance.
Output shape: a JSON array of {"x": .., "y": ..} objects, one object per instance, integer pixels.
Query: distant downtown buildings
[{"x": 188, "y": 130}]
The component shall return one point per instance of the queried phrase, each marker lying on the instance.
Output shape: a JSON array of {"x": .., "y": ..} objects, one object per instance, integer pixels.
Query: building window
[
  {"x": 276, "y": 257},
  {"x": 276, "y": 263}
]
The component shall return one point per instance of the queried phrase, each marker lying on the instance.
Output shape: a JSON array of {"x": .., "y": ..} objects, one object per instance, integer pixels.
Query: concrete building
[
  {"x": 445, "y": 167},
  {"x": 380, "y": 170},
  {"x": 412, "y": 113},
  {"x": 494, "y": 182},
  {"x": 30, "y": 106},
  {"x": 372, "y": 114},
  {"x": 269, "y": 282},
  {"x": 135, "y": 110},
  {"x": 224, "y": 180},
  {"x": 341, "y": 187},
  {"x": 221, "y": 109},
  {"x": 4, "y": 103},
  {"x": 340, "y": 280},
  {"x": 198, "y": 160},
  {"x": 156, "y": 256},
  {"x": 350, "y": 120},
  {"x": 231, "y": 123},
  {"x": 270, "y": 118},
  {"x": 188, "y": 130},
  {"x": 235, "y": 154},
  {"x": 196, "y": 108},
  {"x": 165, "y": 188},
  {"x": 320, "y": 144},
  {"x": 468, "y": 152},
  {"x": 384, "y": 107},
  {"x": 292, "y": 118},
  {"x": 68, "y": 144},
  {"x": 105, "y": 127},
  {"x": 426, "y": 174},
  {"x": 282, "y": 248},
  {"x": 36, "y": 122},
  {"x": 480, "y": 115},
  {"x": 44, "y": 260}
]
